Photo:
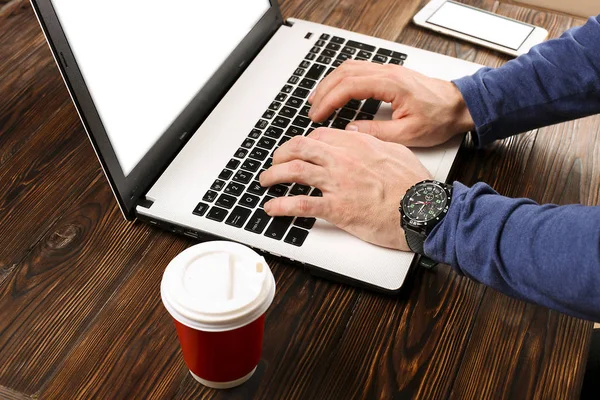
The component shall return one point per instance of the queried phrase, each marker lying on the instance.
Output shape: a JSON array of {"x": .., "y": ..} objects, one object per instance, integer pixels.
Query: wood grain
[{"x": 79, "y": 298}]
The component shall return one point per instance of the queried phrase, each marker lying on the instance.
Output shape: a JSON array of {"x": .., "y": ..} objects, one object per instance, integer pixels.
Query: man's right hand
[{"x": 426, "y": 111}]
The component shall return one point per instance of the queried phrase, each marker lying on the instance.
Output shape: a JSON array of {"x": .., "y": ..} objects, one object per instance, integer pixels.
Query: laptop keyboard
[{"x": 236, "y": 197}]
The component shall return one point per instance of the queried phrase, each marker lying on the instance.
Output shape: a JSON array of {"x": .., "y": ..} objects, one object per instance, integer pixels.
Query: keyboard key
[
  {"x": 281, "y": 96},
  {"x": 226, "y": 201},
  {"x": 301, "y": 92},
  {"x": 320, "y": 43},
  {"x": 234, "y": 188},
  {"x": 293, "y": 79},
  {"x": 278, "y": 227},
  {"x": 294, "y": 131},
  {"x": 277, "y": 190},
  {"x": 315, "y": 50},
  {"x": 258, "y": 221},
  {"x": 340, "y": 123},
  {"x": 217, "y": 185},
  {"x": 304, "y": 64},
  {"x": 361, "y": 58},
  {"x": 346, "y": 113},
  {"x": 225, "y": 174},
  {"x": 364, "y": 54},
  {"x": 315, "y": 71},
  {"x": 210, "y": 196},
  {"x": 268, "y": 163},
  {"x": 274, "y": 132},
  {"x": 324, "y": 60},
  {"x": 288, "y": 112},
  {"x": 261, "y": 124},
  {"x": 286, "y": 89},
  {"x": 310, "y": 56},
  {"x": 255, "y": 133},
  {"x": 266, "y": 143},
  {"x": 328, "y": 53},
  {"x": 316, "y": 193},
  {"x": 257, "y": 177},
  {"x": 200, "y": 209},
  {"x": 238, "y": 217},
  {"x": 397, "y": 54},
  {"x": 337, "y": 39},
  {"x": 396, "y": 61},
  {"x": 241, "y": 153},
  {"x": 305, "y": 222},
  {"x": 336, "y": 63},
  {"x": 267, "y": 198},
  {"x": 217, "y": 214},
  {"x": 344, "y": 57},
  {"x": 371, "y": 106},
  {"x": 249, "y": 200},
  {"x": 294, "y": 102},
  {"x": 281, "y": 122},
  {"x": 361, "y": 46},
  {"x": 255, "y": 188},
  {"x": 307, "y": 83},
  {"x": 296, "y": 236},
  {"x": 353, "y": 104},
  {"x": 378, "y": 58},
  {"x": 283, "y": 140},
  {"x": 385, "y": 52},
  {"x": 248, "y": 143},
  {"x": 233, "y": 164},
  {"x": 250, "y": 165},
  {"x": 349, "y": 50},
  {"x": 324, "y": 36},
  {"x": 298, "y": 190},
  {"x": 364, "y": 116},
  {"x": 242, "y": 176},
  {"x": 258, "y": 154},
  {"x": 268, "y": 114},
  {"x": 302, "y": 121},
  {"x": 304, "y": 111},
  {"x": 299, "y": 71},
  {"x": 333, "y": 46}
]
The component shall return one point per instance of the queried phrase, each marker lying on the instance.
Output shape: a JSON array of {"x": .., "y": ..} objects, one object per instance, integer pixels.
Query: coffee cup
[{"x": 218, "y": 293}]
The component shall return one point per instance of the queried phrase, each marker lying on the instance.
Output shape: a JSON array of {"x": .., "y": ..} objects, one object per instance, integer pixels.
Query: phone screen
[{"x": 481, "y": 24}]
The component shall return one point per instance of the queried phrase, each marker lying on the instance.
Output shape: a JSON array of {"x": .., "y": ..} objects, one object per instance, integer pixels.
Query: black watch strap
[{"x": 415, "y": 241}]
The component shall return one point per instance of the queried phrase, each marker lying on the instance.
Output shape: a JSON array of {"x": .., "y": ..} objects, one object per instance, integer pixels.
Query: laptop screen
[{"x": 145, "y": 66}]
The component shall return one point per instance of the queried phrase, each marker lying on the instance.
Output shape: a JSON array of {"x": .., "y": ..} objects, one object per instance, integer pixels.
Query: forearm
[
  {"x": 546, "y": 254},
  {"x": 557, "y": 80}
]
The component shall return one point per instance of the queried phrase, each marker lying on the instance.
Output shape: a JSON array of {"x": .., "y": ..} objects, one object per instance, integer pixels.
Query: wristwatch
[{"x": 423, "y": 206}]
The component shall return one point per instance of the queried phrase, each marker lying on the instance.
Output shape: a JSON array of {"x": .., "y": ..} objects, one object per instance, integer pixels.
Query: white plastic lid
[{"x": 217, "y": 286}]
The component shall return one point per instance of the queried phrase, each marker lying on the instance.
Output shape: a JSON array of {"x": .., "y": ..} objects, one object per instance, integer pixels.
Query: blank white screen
[
  {"x": 482, "y": 25},
  {"x": 144, "y": 61}
]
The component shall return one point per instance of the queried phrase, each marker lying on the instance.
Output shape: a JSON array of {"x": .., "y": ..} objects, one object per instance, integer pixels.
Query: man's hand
[
  {"x": 362, "y": 180},
  {"x": 427, "y": 111}
]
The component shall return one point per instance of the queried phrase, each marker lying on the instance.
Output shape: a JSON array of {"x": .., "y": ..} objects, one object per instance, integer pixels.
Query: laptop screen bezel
[{"x": 128, "y": 189}]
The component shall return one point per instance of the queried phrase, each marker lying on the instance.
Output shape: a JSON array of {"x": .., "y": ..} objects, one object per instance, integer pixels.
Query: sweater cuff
[
  {"x": 440, "y": 244},
  {"x": 472, "y": 95}
]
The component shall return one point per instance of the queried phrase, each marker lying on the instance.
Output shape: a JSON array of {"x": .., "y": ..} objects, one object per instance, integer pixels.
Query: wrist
[{"x": 463, "y": 121}]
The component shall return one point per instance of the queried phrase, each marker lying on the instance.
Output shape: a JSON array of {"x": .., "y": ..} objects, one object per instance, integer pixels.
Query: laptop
[{"x": 184, "y": 103}]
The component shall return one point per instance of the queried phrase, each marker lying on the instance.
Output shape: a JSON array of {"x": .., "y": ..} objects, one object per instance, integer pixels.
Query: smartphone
[{"x": 481, "y": 27}]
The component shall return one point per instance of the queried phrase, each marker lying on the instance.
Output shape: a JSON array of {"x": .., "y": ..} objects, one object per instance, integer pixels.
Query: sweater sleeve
[
  {"x": 557, "y": 80},
  {"x": 546, "y": 254}
]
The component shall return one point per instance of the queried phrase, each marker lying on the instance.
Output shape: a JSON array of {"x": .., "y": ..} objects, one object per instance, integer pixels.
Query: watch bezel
[{"x": 424, "y": 227}]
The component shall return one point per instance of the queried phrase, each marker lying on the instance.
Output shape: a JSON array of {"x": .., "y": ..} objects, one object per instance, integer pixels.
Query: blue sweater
[{"x": 546, "y": 254}]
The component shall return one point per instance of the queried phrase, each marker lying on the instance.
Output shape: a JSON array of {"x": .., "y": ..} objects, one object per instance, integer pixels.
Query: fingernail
[
  {"x": 310, "y": 97},
  {"x": 352, "y": 127},
  {"x": 267, "y": 206}
]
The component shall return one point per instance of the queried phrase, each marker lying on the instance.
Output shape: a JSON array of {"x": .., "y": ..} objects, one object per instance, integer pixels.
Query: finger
[
  {"x": 389, "y": 131},
  {"x": 330, "y": 136},
  {"x": 297, "y": 206},
  {"x": 353, "y": 87},
  {"x": 294, "y": 171},
  {"x": 347, "y": 68},
  {"x": 303, "y": 148}
]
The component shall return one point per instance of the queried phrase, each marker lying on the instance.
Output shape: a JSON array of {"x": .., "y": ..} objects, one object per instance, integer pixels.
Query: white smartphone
[{"x": 487, "y": 29}]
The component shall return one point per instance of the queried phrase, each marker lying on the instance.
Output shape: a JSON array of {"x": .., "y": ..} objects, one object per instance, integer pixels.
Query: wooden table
[{"x": 80, "y": 311}]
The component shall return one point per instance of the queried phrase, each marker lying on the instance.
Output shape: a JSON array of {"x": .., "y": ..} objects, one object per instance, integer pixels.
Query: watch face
[{"x": 424, "y": 202}]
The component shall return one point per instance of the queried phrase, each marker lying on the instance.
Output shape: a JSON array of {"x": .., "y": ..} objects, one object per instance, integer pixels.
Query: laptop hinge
[
  {"x": 144, "y": 202},
  {"x": 288, "y": 23}
]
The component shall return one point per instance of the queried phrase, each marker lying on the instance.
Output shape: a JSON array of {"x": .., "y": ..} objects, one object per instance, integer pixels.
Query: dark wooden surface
[{"x": 80, "y": 311}]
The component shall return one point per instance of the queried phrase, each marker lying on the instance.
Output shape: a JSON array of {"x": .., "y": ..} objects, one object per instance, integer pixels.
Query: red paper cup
[{"x": 217, "y": 294}]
